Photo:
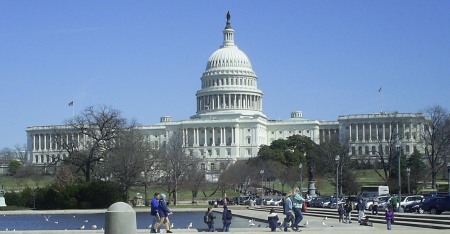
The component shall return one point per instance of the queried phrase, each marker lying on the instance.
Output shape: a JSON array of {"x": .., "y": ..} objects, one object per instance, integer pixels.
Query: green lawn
[{"x": 10, "y": 183}]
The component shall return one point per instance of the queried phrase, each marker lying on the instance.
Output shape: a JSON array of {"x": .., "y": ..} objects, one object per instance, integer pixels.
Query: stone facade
[{"x": 229, "y": 123}]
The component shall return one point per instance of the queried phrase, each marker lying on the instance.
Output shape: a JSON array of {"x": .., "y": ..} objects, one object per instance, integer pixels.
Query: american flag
[{"x": 71, "y": 103}]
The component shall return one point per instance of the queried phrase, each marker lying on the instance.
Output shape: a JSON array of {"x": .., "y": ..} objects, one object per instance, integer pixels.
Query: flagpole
[{"x": 380, "y": 90}]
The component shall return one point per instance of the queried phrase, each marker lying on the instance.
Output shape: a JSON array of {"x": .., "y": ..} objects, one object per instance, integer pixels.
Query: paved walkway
[{"x": 315, "y": 224}]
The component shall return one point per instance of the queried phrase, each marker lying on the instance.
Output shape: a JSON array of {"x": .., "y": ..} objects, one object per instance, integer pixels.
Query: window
[
  {"x": 213, "y": 167},
  {"x": 203, "y": 166},
  {"x": 248, "y": 140}
]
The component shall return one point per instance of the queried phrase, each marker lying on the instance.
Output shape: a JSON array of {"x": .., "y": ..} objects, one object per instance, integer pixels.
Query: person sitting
[
  {"x": 273, "y": 220},
  {"x": 366, "y": 222}
]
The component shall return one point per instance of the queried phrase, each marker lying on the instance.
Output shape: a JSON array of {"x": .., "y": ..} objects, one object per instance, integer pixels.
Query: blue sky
[{"x": 145, "y": 58}]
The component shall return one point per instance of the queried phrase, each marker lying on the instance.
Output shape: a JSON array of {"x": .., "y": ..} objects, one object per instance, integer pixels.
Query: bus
[{"x": 374, "y": 191}]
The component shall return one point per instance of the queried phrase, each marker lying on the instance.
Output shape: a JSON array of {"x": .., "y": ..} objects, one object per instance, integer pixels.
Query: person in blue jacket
[
  {"x": 273, "y": 220},
  {"x": 226, "y": 218},
  {"x": 164, "y": 213},
  {"x": 154, "y": 211}
]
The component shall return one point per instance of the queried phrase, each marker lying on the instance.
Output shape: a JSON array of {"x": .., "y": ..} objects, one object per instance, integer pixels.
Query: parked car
[
  {"x": 410, "y": 199},
  {"x": 381, "y": 199},
  {"x": 413, "y": 207},
  {"x": 435, "y": 205}
]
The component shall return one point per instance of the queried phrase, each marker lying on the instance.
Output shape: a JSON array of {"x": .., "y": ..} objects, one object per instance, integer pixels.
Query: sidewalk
[{"x": 315, "y": 224}]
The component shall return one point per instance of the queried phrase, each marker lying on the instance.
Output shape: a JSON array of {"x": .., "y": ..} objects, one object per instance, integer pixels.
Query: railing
[{"x": 406, "y": 219}]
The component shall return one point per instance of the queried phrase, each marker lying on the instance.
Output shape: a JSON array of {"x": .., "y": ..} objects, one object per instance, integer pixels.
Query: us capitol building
[{"x": 230, "y": 125}]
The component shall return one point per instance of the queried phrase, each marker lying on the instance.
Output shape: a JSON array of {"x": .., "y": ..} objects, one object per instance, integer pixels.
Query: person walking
[
  {"x": 341, "y": 213},
  {"x": 375, "y": 205},
  {"x": 287, "y": 210},
  {"x": 209, "y": 219},
  {"x": 348, "y": 207},
  {"x": 389, "y": 216},
  {"x": 394, "y": 203},
  {"x": 154, "y": 211},
  {"x": 226, "y": 218},
  {"x": 272, "y": 219},
  {"x": 360, "y": 207},
  {"x": 164, "y": 213},
  {"x": 297, "y": 201}
]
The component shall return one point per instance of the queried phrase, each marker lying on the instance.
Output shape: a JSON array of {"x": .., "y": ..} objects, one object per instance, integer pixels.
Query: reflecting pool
[{"x": 89, "y": 221}]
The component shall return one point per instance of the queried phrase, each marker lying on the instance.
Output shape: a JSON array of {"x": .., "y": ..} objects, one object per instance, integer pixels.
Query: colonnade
[
  {"x": 211, "y": 136},
  {"x": 383, "y": 131},
  {"x": 326, "y": 135},
  {"x": 53, "y": 141},
  {"x": 229, "y": 101}
]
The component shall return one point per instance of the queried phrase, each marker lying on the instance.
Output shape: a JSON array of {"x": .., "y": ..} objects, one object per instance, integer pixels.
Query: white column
[
  {"x": 384, "y": 132},
  {"x": 206, "y": 138},
  {"x": 357, "y": 132},
  {"x": 221, "y": 135},
  {"x": 233, "y": 131},
  {"x": 350, "y": 132},
  {"x": 34, "y": 142},
  {"x": 45, "y": 142},
  {"x": 376, "y": 125},
  {"x": 390, "y": 131},
  {"x": 364, "y": 132},
  {"x": 225, "y": 136},
  {"x": 370, "y": 131},
  {"x": 213, "y": 138}
]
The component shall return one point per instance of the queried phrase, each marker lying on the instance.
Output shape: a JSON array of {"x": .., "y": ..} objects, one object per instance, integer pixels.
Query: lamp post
[
  {"x": 399, "y": 152},
  {"x": 262, "y": 179},
  {"x": 337, "y": 178},
  {"x": 408, "y": 173},
  {"x": 300, "y": 167},
  {"x": 448, "y": 179}
]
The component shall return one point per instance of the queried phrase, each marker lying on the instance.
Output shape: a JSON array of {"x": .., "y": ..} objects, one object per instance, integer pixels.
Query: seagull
[
  {"x": 171, "y": 225},
  {"x": 46, "y": 217},
  {"x": 325, "y": 218},
  {"x": 86, "y": 221},
  {"x": 306, "y": 224},
  {"x": 250, "y": 222},
  {"x": 94, "y": 226},
  {"x": 56, "y": 222},
  {"x": 189, "y": 226},
  {"x": 324, "y": 224},
  {"x": 82, "y": 227},
  {"x": 149, "y": 226}
]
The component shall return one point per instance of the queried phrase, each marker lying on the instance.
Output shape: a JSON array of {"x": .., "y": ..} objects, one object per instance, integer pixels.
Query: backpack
[
  {"x": 206, "y": 217},
  {"x": 229, "y": 215},
  {"x": 304, "y": 207}
]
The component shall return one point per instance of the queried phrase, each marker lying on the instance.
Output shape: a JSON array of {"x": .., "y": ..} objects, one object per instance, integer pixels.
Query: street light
[
  {"x": 337, "y": 178},
  {"x": 408, "y": 173},
  {"x": 448, "y": 179},
  {"x": 300, "y": 167},
  {"x": 262, "y": 179},
  {"x": 399, "y": 152}
]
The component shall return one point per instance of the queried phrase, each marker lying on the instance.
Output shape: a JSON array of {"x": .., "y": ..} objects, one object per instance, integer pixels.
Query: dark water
[{"x": 74, "y": 222}]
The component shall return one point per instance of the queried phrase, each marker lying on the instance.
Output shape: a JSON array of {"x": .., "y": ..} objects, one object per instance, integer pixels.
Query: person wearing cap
[
  {"x": 164, "y": 213},
  {"x": 154, "y": 211}
]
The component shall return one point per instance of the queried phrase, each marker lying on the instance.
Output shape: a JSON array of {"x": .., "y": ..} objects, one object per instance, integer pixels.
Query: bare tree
[
  {"x": 193, "y": 180},
  {"x": 21, "y": 153},
  {"x": 64, "y": 176},
  {"x": 126, "y": 161},
  {"x": 6, "y": 155},
  {"x": 173, "y": 162},
  {"x": 436, "y": 139},
  {"x": 100, "y": 127}
]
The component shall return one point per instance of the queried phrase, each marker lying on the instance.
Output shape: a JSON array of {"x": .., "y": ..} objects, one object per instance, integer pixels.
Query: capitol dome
[
  {"x": 229, "y": 84},
  {"x": 228, "y": 57}
]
